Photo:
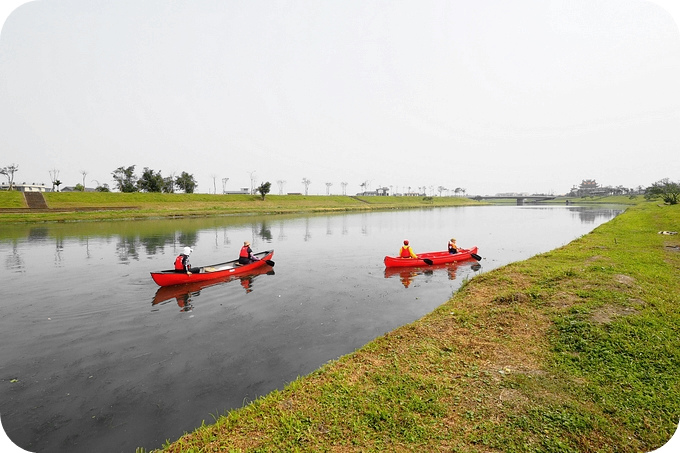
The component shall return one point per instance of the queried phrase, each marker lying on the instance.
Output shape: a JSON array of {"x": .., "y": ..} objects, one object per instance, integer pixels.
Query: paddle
[
  {"x": 475, "y": 256},
  {"x": 428, "y": 261},
  {"x": 270, "y": 262}
]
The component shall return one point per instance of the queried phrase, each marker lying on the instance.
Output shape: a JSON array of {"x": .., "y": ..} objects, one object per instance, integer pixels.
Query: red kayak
[
  {"x": 430, "y": 258},
  {"x": 170, "y": 277}
]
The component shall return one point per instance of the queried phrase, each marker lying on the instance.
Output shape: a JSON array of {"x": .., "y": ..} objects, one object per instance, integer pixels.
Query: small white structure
[
  {"x": 243, "y": 191},
  {"x": 23, "y": 187},
  {"x": 379, "y": 192}
]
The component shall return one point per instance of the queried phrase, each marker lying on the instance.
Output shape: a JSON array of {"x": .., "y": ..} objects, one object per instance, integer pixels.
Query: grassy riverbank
[
  {"x": 82, "y": 206},
  {"x": 573, "y": 350}
]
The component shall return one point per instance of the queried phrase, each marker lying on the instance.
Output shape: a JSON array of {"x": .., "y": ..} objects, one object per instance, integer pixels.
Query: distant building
[
  {"x": 23, "y": 187},
  {"x": 588, "y": 184},
  {"x": 512, "y": 194},
  {"x": 243, "y": 191},
  {"x": 589, "y": 188},
  {"x": 73, "y": 189},
  {"x": 380, "y": 192}
]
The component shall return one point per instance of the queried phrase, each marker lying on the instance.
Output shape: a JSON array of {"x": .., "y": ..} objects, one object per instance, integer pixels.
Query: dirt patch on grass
[
  {"x": 624, "y": 279},
  {"x": 563, "y": 299},
  {"x": 608, "y": 313},
  {"x": 512, "y": 396},
  {"x": 512, "y": 298}
]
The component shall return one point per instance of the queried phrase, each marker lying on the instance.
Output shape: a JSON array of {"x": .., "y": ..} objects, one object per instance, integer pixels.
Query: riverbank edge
[
  {"x": 571, "y": 350},
  {"x": 79, "y": 207},
  {"x": 104, "y": 206}
]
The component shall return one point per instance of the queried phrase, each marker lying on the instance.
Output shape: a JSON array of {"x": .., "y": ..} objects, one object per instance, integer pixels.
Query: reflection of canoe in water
[
  {"x": 183, "y": 293},
  {"x": 221, "y": 270},
  {"x": 432, "y": 258},
  {"x": 408, "y": 274},
  {"x": 427, "y": 270}
]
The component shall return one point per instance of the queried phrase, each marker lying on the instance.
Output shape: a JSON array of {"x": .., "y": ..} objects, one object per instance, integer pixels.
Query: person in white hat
[{"x": 182, "y": 262}]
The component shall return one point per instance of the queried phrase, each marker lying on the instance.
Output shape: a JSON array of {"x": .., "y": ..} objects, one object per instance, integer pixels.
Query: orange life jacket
[
  {"x": 405, "y": 252},
  {"x": 179, "y": 263},
  {"x": 244, "y": 252}
]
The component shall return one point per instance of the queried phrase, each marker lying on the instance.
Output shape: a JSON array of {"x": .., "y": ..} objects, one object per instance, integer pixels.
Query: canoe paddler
[
  {"x": 406, "y": 251},
  {"x": 453, "y": 248},
  {"x": 182, "y": 264},
  {"x": 246, "y": 256}
]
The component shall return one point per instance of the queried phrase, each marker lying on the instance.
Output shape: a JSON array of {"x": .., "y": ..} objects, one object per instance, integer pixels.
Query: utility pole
[{"x": 252, "y": 182}]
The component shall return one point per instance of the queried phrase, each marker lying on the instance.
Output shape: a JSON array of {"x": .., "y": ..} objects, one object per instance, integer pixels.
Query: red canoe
[
  {"x": 430, "y": 258},
  {"x": 185, "y": 292},
  {"x": 170, "y": 277}
]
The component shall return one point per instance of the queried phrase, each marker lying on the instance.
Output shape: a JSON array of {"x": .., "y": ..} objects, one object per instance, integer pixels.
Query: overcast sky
[{"x": 489, "y": 96}]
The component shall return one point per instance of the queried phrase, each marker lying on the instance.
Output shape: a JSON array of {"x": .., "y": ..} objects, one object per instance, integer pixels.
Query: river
[{"x": 95, "y": 357}]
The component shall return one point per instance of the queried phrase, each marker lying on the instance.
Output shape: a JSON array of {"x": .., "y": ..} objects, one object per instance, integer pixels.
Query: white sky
[{"x": 490, "y": 96}]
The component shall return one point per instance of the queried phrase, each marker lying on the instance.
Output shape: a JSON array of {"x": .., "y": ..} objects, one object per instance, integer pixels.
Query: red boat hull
[
  {"x": 435, "y": 257},
  {"x": 182, "y": 293},
  {"x": 215, "y": 271}
]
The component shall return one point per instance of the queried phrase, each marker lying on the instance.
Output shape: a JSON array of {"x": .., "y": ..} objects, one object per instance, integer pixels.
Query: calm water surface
[{"x": 95, "y": 357}]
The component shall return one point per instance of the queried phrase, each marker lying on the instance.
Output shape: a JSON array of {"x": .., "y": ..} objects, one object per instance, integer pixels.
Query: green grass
[
  {"x": 71, "y": 206},
  {"x": 12, "y": 199},
  {"x": 93, "y": 206},
  {"x": 573, "y": 350}
]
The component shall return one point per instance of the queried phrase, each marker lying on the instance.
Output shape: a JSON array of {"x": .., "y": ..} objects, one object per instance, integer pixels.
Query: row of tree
[
  {"x": 153, "y": 181},
  {"x": 150, "y": 181}
]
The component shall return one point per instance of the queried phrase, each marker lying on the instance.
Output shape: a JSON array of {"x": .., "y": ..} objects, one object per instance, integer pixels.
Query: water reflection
[
  {"x": 14, "y": 261},
  {"x": 408, "y": 274},
  {"x": 135, "y": 240},
  {"x": 591, "y": 216},
  {"x": 184, "y": 295}
]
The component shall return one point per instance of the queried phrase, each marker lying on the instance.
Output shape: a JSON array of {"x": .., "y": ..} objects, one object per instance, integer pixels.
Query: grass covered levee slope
[
  {"x": 83, "y": 206},
  {"x": 573, "y": 350}
]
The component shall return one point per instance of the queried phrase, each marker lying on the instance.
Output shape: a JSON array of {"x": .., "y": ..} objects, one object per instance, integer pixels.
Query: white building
[{"x": 23, "y": 187}]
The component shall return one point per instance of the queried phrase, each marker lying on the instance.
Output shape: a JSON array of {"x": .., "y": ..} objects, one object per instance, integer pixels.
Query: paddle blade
[
  {"x": 475, "y": 256},
  {"x": 428, "y": 261},
  {"x": 270, "y": 262}
]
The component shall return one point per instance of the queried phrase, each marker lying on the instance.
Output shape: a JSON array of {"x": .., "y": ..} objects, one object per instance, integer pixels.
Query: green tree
[
  {"x": 150, "y": 181},
  {"x": 9, "y": 172},
  {"x": 103, "y": 188},
  {"x": 264, "y": 188},
  {"x": 668, "y": 190},
  {"x": 168, "y": 185},
  {"x": 79, "y": 187},
  {"x": 186, "y": 182},
  {"x": 125, "y": 178}
]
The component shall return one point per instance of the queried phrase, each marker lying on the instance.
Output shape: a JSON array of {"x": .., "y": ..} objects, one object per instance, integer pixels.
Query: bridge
[{"x": 520, "y": 198}]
